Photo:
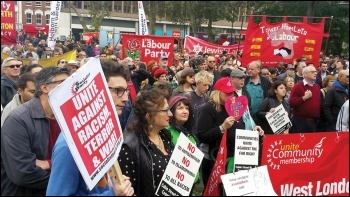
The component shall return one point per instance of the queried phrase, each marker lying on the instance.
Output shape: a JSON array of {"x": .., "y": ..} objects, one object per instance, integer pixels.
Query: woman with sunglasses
[
  {"x": 147, "y": 146},
  {"x": 186, "y": 81},
  {"x": 61, "y": 63}
]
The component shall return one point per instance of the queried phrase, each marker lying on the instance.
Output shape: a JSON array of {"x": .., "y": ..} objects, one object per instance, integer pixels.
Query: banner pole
[
  {"x": 329, "y": 32},
  {"x": 240, "y": 34},
  {"x": 118, "y": 175}
]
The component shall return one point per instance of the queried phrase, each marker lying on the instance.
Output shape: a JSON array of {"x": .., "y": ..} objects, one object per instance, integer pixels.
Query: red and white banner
[
  {"x": 197, "y": 45},
  {"x": 8, "y": 22},
  {"x": 33, "y": 30},
  {"x": 213, "y": 186},
  {"x": 283, "y": 41},
  {"x": 148, "y": 47},
  {"x": 310, "y": 164},
  {"x": 88, "y": 36},
  {"x": 84, "y": 109}
]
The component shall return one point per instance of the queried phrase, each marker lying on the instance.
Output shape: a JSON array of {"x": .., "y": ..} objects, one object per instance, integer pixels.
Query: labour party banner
[
  {"x": 86, "y": 114},
  {"x": 309, "y": 164},
  {"x": 282, "y": 42},
  {"x": 148, "y": 47}
]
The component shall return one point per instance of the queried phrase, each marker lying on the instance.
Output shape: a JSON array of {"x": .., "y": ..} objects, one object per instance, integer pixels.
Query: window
[
  {"x": 38, "y": 3},
  {"x": 135, "y": 8},
  {"x": 29, "y": 18},
  {"x": 86, "y": 5},
  {"x": 48, "y": 3},
  {"x": 77, "y": 4},
  {"x": 38, "y": 19},
  {"x": 117, "y": 6},
  {"x": 28, "y": 3},
  {"x": 47, "y": 19},
  {"x": 127, "y": 7}
]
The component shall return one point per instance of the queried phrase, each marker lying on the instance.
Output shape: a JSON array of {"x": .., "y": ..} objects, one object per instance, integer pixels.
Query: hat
[
  {"x": 237, "y": 73},
  {"x": 72, "y": 62},
  {"x": 159, "y": 72},
  {"x": 176, "y": 99},
  {"x": 163, "y": 57},
  {"x": 224, "y": 85},
  {"x": 290, "y": 66}
]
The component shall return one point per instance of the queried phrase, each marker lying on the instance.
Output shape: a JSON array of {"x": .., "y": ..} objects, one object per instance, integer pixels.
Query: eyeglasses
[
  {"x": 164, "y": 110},
  {"x": 63, "y": 62},
  {"x": 55, "y": 82},
  {"x": 211, "y": 61},
  {"x": 15, "y": 65},
  {"x": 120, "y": 90}
]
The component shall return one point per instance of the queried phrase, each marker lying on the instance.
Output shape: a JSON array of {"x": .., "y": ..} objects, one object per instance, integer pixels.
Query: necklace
[{"x": 159, "y": 146}]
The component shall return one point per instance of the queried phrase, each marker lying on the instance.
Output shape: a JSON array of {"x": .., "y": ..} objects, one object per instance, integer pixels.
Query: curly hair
[{"x": 148, "y": 101}]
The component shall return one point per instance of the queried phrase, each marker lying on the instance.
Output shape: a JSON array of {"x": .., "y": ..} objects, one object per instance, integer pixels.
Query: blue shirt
[{"x": 256, "y": 95}]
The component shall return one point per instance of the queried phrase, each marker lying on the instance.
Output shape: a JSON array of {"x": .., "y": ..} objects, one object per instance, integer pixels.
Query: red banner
[
  {"x": 8, "y": 22},
  {"x": 88, "y": 36},
  {"x": 148, "y": 47},
  {"x": 33, "y": 30},
  {"x": 213, "y": 186},
  {"x": 283, "y": 41},
  {"x": 313, "y": 164},
  {"x": 197, "y": 45}
]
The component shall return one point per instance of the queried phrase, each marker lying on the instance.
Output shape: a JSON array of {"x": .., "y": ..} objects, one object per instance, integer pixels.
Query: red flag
[{"x": 213, "y": 188}]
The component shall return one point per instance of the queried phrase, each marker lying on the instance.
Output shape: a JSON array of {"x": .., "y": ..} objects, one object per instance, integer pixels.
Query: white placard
[
  {"x": 246, "y": 150},
  {"x": 253, "y": 182},
  {"x": 279, "y": 120},
  {"x": 182, "y": 169},
  {"x": 85, "y": 111}
]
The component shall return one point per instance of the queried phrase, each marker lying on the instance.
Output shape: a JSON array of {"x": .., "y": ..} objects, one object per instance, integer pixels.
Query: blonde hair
[
  {"x": 214, "y": 99},
  {"x": 204, "y": 76}
]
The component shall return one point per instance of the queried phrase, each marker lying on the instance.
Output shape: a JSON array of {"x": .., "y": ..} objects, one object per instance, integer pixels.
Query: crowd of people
[{"x": 155, "y": 102}]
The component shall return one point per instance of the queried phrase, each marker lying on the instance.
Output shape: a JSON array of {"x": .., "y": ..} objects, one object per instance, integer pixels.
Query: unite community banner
[
  {"x": 8, "y": 22},
  {"x": 148, "y": 47},
  {"x": 310, "y": 164},
  {"x": 282, "y": 41},
  {"x": 197, "y": 45}
]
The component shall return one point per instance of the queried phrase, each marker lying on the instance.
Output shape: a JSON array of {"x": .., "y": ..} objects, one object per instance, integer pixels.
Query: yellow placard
[{"x": 71, "y": 55}]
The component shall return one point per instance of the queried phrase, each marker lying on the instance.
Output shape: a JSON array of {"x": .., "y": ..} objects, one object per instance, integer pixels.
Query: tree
[
  {"x": 212, "y": 12},
  {"x": 153, "y": 10},
  {"x": 97, "y": 11}
]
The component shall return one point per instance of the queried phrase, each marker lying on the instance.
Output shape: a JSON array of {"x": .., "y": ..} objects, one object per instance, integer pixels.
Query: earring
[{"x": 150, "y": 126}]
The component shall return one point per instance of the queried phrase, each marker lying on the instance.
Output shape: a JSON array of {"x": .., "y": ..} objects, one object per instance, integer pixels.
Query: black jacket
[
  {"x": 8, "y": 90},
  {"x": 143, "y": 158}
]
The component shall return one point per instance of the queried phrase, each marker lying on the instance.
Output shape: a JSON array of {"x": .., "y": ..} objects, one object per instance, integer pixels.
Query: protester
[
  {"x": 305, "y": 102},
  {"x": 181, "y": 122},
  {"x": 65, "y": 178},
  {"x": 343, "y": 118},
  {"x": 26, "y": 150},
  {"x": 274, "y": 98},
  {"x": 147, "y": 143},
  {"x": 34, "y": 68},
  {"x": 10, "y": 68},
  {"x": 326, "y": 86},
  {"x": 213, "y": 121},
  {"x": 186, "y": 80},
  {"x": 26, "y": 89}
]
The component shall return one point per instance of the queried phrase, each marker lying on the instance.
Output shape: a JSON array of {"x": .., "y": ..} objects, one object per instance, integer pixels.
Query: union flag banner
[
  {"x": 197, "y": 45},
  {"x": 282, "y": 41},
  {"x": 8, "y": 22},
  {"x": 310, "y": 164},
  {"x": 148, "y": 47}
]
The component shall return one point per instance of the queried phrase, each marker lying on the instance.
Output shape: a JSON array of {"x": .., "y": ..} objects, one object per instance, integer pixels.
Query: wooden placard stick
[{"x": 118, "y": 175}]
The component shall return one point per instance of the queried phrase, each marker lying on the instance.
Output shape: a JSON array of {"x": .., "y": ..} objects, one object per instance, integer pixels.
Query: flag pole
[{"x": 329, "y": 32}]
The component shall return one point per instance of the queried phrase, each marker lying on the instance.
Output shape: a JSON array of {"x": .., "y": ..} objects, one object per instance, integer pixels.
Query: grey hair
[
  {"x": 47, "y": 75},
  {"x": 4, "y": 63},
  {"x": 306, "y": 70},
  {"x": 30, "y": 62}
]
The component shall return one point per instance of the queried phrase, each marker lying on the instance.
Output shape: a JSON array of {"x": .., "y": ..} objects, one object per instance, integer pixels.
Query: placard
[
  {"x": 182, "y": 168},
  {"x": 85, "y": 111},
  {"x": 246, "y": 150},
  {"x": 236, "y": 106},
  {"x": 279, "y": 120}
]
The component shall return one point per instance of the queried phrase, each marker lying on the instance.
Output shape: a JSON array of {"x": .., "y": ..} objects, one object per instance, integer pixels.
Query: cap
[
  {"x": 290, "y": 66},
  {"x": 176, "y": 99},
  {"x": 224, "y": 85},
  {"x": 72, "y": 62},
  {"x": 159, "y": 72},
  {"x": 237, "y": 73},
  {"x": 163, "y": 57}
]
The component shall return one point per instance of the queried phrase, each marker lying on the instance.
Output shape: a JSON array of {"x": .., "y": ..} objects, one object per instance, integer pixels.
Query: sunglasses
[
  {"x": 211, "y": 61},
  {"x": 15, "y": 65},
  {"x": 120, "y": 90}
]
